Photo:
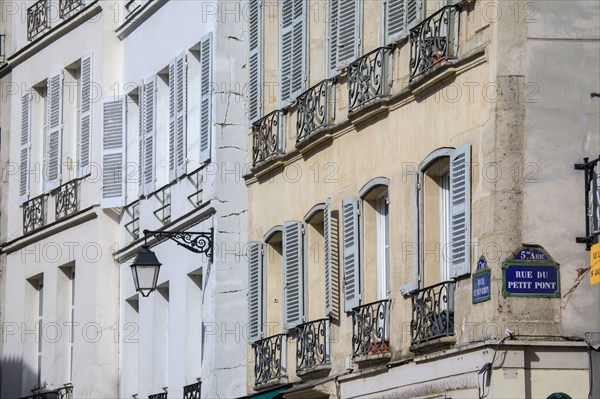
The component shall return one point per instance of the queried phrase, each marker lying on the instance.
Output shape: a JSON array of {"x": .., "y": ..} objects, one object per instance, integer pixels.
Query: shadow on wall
[{"x": 13, "y": 372}]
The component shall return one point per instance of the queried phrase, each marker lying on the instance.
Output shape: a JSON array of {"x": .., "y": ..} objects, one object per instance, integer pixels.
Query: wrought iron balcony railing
[
  {"x": 65, "y": 392},
  {"x": 434, "y": 40},
  {"x": 67, "y": 199},
  {"x": 368, "y": 78},
  {"x": 37, "y": 19},
  {"x": 192, "y": 391},
  {"x": 371, "y": 328},
  {"x": 270, "y": 359},
  {"x": 66, "y": 7},
  {"x": 432, "y": 312},
  {"x": 267, "y": 137},
  {"x": 312, "y": 345},
  {"x": 160, "y": 395},
  {"x": 316, "y": 108},
  {"x": 34, "y": 213}
]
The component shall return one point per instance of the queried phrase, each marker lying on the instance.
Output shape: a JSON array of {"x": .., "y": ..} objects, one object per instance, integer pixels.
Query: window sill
[
  {"x": 318, "y": 371},
  {"x": 271, "y": 384},
  {"x": 368, "y": 111},
  {"x": 433, "y": 344}
]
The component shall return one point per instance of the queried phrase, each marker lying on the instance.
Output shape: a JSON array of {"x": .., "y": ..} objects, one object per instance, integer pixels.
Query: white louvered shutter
[
  {"x": 113, "y": 152},
  {"x": 255, "y": 291},
  {"x": 25, "y": 147},
  {"x": 328, "y": 251},
  {"x": 172, "y": 120},
  {"x": 206, "y": 59},
  {"x": 293, "y": 281},
  {"x": 460, "y": 211},
  {"x": 181, "y": 114},
  {"x": 395, "y": 24},
  {"x": 255, "y": 53},
  {"x": 54, "y": 129},
  {"x": 140, "y": 167},
  {"x": 348, "y": 31},
  {"x": 285, "y": 49},
  {"x": 333, "y": 37},
  {"x": 413, "y": 13},
  {"x": 412, "y": 272},
  {"x": 351, "y": 254},
  {"x": 149, "y": 105},
  {"x": 299, "y": 48},
  {"x": 85, "y": 116}
]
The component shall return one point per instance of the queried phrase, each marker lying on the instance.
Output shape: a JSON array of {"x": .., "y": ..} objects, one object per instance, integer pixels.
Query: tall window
[
  {"x": 273, "y": 282},
  {"x": 40, "y": 326}
]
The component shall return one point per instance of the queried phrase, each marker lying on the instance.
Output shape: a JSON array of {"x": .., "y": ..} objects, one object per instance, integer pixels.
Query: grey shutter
[
  {"x": 140, "y": 167},
  {"x": 172, "y": 121},
  {"x": 413, "y": 13},
  {"x": 348, "y": 31},
  {"x": 395, "y": 24},
  {"x": 255, "y": 56},
  {"x": 413, "y": 270},
  {"x": 85, "y": 116},
  {"x": 54, "y": 128},
  {"x": 206, "y": 59},
  {"x": 25, "y": 147},
  {"x": 460, "y": 211},
  {"x": 351, "y": 254},
  {"x": 181, "y": 114},
  {"x": 333, "y": 36},
  {"x": 113, "y": 152},
  {"x": 293, "y": 281},
  {"x": 299, "y": 47},
  {"x": 285, "y": 49},
  {"x": 327, "y": 238},
  {"x": 255, "y": 291},
  {"x": 149, "y": 105}
]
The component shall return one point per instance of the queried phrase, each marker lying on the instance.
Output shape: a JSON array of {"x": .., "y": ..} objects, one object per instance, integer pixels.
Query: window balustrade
[
  {"x": 312, "y": 345},
  {"x": 270, "y": 359},
  {"x": 432, "y": 312},
  {"x": 369, "y": 78},
  {"x": 371, "y": 328},
  {"x": 267, "y": 137}
]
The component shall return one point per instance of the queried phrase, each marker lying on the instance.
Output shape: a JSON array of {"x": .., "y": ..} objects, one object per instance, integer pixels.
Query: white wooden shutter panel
[
  {"x": 149, "y": 134},
  {"x": 172, "y": 121},
  {"x": 25, "y": 147},
  {"x": 351, "y": 254},
  {"x": 53, "y": 140},
  {"x": 348, "y": 31},
  {"x": 255, "y": 291},
  {"x": 413, "y": 271},
  {"x": 286, "y": 49},
  {"x": 141, "y": 130},
  {"x": 327, "y": 238},
  {"x": 293, "y": 281},
  {"x": 255, "y": 89},
  {"x": 299, "y": 46},
  {"x": 113, "y": 152},
  {"x": 413, "y": 13},
  {"x": 181, "y": 114},
  {"x": 395, "y": 24},
  {"x": 206, "y": 97},
  {"x": 460, "y": 211},
  {"x": 85, "y": 115},
  {"x": 333, "y": 36}
]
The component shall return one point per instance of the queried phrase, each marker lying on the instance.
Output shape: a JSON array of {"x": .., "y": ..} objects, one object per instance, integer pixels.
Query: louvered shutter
[
  {"x": 181, "y": 114},
  {"x": 255, "y": 53},
  {"x": 348, "y": 31},
  {"x": 149, "y": 105},
  {"x": 206, "y": 59},
  {"x": 113, "y": 152},
  {"x": 460, "y": 211},
  {"x": 172, "y": 121},
  {"x": 351, "y": 254},
  {"x": 141, "y": 130},
  {"x": 299, "y": 46},
  {"x": 328, "y": 251},
  {"x": 255, "y": 291},
  {"x": 413, "y": 269},
  {"x": 293, "y": 281},
  {"x": 395, "y": 24},
  {"x": 413, "y": 13},
  {"x": 85, "y": 116},
  {"x": 333, "y": 36},
  {"x": 25, "y": 147},
  {"x": 285, "y": 48},
  {"x": 53, "y": 132}
]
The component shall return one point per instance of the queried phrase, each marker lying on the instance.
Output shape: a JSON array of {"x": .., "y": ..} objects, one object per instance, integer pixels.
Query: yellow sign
[{"x": 595, "y": 264}]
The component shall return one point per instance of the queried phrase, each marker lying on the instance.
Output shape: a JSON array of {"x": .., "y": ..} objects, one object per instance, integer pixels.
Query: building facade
[{"x": 412, "y": 175}]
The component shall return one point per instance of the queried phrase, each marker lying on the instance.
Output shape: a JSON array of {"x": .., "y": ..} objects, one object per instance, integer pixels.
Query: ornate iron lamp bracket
[{"x": 198, "y": 242}]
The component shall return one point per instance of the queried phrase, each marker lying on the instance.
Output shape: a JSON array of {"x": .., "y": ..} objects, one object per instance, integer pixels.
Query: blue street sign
[
  {"x": 481, "y": 286},
  {"x": 531, "y": 280}
]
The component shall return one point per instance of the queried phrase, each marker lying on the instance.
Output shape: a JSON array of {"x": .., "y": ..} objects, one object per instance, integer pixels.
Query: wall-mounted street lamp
[{"x": 146, "y": 266}]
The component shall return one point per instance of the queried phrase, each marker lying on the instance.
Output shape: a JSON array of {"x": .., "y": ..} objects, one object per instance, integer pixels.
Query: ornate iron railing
[
  {"x": 315, "y": 109},
  {"x": 66, "y": 199},
  {"x": 592, "y": 201},
  {"x": 34, "y": 213},
  {"x": 312, "y": 344},
  {"x": 432, "y": 312},
  {"x": 267, "y": 137},
  {"x": 270, "y": 359},
  {"x": 371, "y": 328},
  {"x": 368, "y": 78},
  {"x": 192, "y": 391},
  {"x": 160, "y": 395},
  {"x": 434, "y": 40},
  {"x": 66, "y": 7},
  {"x": 37, "y": 19},
  {"x": 65, "y": 392}
]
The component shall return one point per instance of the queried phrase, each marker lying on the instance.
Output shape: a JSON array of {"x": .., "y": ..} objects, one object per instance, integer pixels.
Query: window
[
  {"x": 400, "y": 16},
  {"x": 194, "y": 323},
  {"x": 35, "y": 345},
  {"x": 344, "y": 33},
  {"x": 129, "y": 351},
  {"x": 66, "y": 318},
  {"x": 292, "y": 49},
  {"x": 161, "y": 337},
  {"x": 273, "y": 281}
]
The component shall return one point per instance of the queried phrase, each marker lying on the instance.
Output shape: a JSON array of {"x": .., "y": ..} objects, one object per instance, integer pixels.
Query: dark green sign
[{"x": 559, "y": 395}]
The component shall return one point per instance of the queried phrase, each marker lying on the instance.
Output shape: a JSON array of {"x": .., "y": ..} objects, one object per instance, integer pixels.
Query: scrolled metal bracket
[{"x": 198, "y": 242}]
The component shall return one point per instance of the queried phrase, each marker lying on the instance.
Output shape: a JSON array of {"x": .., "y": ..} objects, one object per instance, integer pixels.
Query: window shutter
[
  {"x": 460, "y": 211},
  {"x": 172, "y": 120},
  {"x": 25, "y": 147},
  {"x": 149, "y": 105},
  {"x": 328, "y": 239},
  {"x": 255, "y": 92},
  {"x": 285, "y": 48},
  {"x": 293, "y": 281},
  {"x": 413, "y": 270},
  {"x": 351, "y": 254},
  {"x": 206, "y": 97},
  {"x": 54, "y": 128},
  {"x": 395, "y": 20},
  {"x": 348, "y": 31},
  {"x": 140, "y": 167},
  {"x": 85, "y": 115},
  {"x": 113, "y": 152},
  {"x": 299, "y": 45},
  {"x": 333, "y": 36},
  {"x": 181, "y": 114},
  {"x": 413, "y": 13},
  {"x": 255, "y": 293}
]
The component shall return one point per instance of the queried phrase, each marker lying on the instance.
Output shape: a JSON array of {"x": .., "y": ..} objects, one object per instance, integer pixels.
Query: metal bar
[{"x": 198, "y": 242}]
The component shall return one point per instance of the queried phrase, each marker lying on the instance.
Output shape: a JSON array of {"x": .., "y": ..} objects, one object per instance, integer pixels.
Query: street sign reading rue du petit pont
[{"x": 531, "y": 272}]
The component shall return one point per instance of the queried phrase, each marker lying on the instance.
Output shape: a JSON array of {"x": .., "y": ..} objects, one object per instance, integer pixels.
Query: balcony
[
  {"x": 312, "y": 346},
  {"x": 434, "y": 41},
  {"x": 371, "y": 329},
  {"x": 270, "y": 359},
  {"x": 160, "y": 395},
  {"x": 267, "y": 137},
  {"x": 66, "y": 7},
  {"x": 37, "y": 19},
  {"x": 65, "y": 392},
  {"x": 132, "y": 227},
  {"x": 66, "y": 199},
  {"x": 192, "y": 391},
  {"x": 369, "y": 78},
  {"x": 432, "y": 313},
  {"x": 34, "y": 213},
  {"x": 316, "y": 109}
]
